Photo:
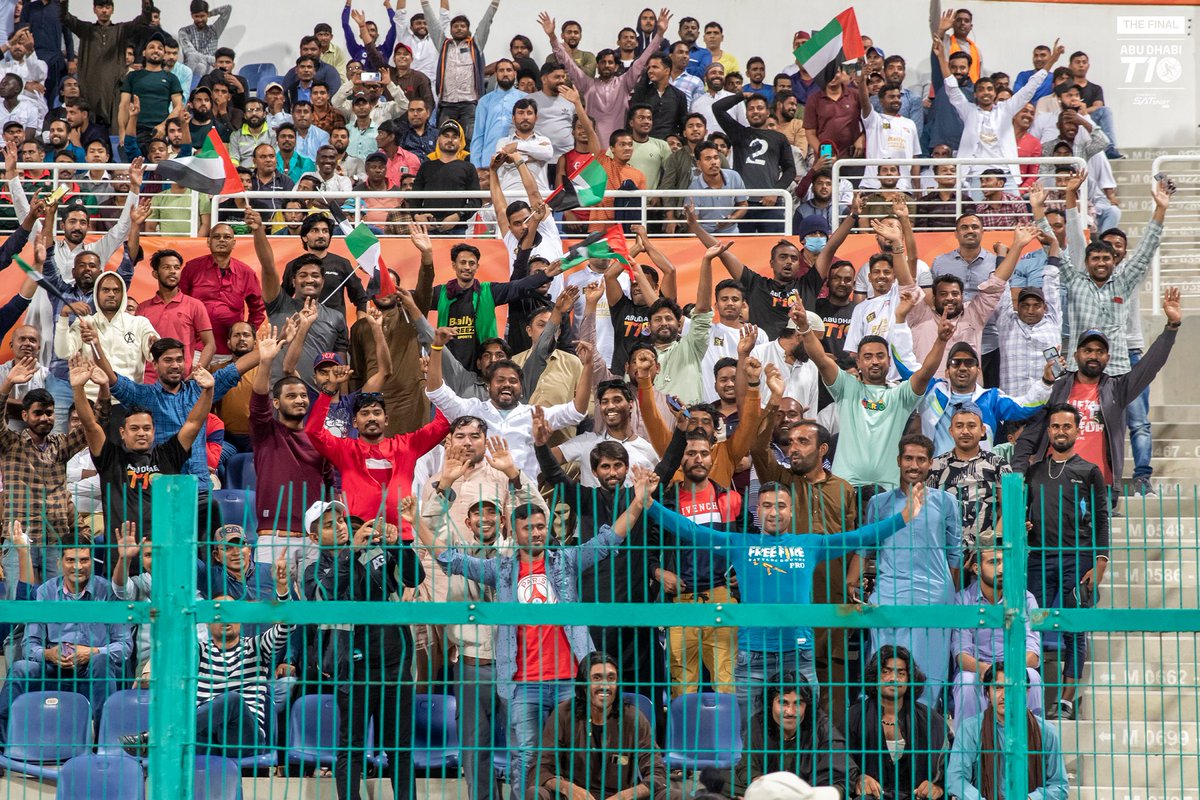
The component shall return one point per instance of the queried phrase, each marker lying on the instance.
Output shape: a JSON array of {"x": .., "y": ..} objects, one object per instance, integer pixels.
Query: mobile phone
[
  {"x": 826, "y": 151},
  {"x": 1162, "y": 177},
  {"x": 1051, "y": 356},
  {"x": 370, "y": 77},
  {"x": 57, "y": 194},
  {"x": 676, "y": 406}
]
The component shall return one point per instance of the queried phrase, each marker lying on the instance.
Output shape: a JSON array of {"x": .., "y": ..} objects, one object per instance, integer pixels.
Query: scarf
[
  {"x": 485, "y": 310},
  {"x": 989, "y": 757},
  {"x": 462, "y": 154},
  {"x": 976, "y": 59}
]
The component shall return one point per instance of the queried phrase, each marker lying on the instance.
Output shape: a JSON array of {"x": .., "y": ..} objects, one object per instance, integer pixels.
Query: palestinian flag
[
  {"x": 606, "y": 243},
  {"x": 830, "y": 47},
  {"x": 364, "y": 246},
  {"x": 209, "y": 171},
  {"x": 37, "y": 277},
  {"x": 583, "y": 187}
]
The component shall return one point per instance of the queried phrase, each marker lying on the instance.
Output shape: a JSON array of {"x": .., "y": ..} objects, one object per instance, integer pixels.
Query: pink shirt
[
  {"x": 227, "y": 294},
  {"x": 401, "y": 164},
  {"x": 182, "y": 317}
]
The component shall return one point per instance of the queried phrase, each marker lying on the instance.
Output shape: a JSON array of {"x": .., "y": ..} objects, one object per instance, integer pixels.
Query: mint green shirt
[{"x": 871, "y": 420}]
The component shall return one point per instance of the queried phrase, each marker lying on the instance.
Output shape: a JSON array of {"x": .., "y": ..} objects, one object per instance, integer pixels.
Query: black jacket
[
  {"x": 818, "y": 754},
  {"x": 927, "y": 743},
  {"x": 670, "y": 110}
]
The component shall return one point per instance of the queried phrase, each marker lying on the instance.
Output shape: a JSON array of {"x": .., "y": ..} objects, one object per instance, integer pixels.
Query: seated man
[
  {"x": 896, "y": 741},
  {"x": 233, "y": 685},
  {"x": 596, "y": 743},
  {"x": 782, "y": 737},
  {"x": 88, "y": 658},
  {"x": 974, "y": 770},
  {"x": 976, "y": 650}
]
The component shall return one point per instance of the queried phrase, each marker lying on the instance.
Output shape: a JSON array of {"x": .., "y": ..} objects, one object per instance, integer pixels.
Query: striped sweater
[{"x": 245, "y": 668}]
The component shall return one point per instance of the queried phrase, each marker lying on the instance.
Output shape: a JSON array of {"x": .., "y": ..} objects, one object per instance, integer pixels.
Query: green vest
[{"x": 485, "y": 311}]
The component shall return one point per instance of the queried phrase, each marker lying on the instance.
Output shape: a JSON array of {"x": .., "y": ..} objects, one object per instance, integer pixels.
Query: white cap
[
  {"x": 786, "y": 786},
  {"x": 318, "y": 510}
]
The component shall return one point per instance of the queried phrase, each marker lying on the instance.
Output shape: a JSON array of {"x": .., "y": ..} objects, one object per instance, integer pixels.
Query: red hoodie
[{"x": 364, "y": 491}]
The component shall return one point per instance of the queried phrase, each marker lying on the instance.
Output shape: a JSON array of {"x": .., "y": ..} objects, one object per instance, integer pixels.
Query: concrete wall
[{"x": 1143, "y": 56}]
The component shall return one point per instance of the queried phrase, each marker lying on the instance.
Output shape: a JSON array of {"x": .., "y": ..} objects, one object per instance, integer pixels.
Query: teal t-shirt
[
  {"x": 154, "y": 90},
  {"x": 871, "y": 420}
]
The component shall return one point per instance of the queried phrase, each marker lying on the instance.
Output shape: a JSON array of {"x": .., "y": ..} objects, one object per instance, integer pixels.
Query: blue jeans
[
  {"x": 1107, "y": 216},
  {"x": 756, "y": 669},
  {"x": 478, "y": 708},
  {"x": 1051, "y": 575},
  {"x": 225, "y": 726},
  {"x": 532, "y": 702},
  {"x": 64, "y": 397},
  {"x": 96, "y": 681},
  {"x": 1137, "y": 419},
  {"x": 45, "y": 565},
  {"x": 1103, "y": 117}
]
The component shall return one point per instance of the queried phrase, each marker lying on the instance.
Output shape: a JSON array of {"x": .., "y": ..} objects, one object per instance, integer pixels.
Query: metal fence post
[
  {"x": 174, "y": 649},
  {"x": 1012, "y": 500}
]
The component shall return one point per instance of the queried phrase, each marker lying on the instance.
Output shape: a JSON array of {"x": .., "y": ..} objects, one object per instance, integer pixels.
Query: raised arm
[
  {"x": 383, "y": 353},
  {"x": 199, "y": 414},
  {"x": 827, "y": 368},
  {"x": 732, "y": 263},
  {"x": 271, "y": 281},
  {"x": 920, "y": 379},
  {"x": 270, "y": 340},
  {"x": 81, "y": 371}
]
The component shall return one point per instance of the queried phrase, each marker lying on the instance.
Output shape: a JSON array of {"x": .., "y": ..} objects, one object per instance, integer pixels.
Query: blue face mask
[{"x": 815, "y": 244}]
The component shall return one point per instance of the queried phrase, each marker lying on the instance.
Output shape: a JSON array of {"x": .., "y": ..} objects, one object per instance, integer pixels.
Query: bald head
[{"x": 26, "y": 342}]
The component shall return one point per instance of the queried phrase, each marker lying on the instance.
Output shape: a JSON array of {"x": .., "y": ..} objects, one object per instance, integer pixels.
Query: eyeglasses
[{"x": 963, "y": 362}]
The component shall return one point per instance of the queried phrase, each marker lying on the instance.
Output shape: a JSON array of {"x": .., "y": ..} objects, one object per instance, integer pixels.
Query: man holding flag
[{"x": 832, "y": 115}]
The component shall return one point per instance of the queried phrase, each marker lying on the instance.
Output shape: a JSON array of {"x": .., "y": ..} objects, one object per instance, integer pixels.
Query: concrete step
[
  {"x": 1150, "y": 648},
  {"x": 1116, "y": 753},
  {"x": 1182, "y": 705},
  {"x": 1128, "y": 793},
  {"x": 1100, "y": 768}
]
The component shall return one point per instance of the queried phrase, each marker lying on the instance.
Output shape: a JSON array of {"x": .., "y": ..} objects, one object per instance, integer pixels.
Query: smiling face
[
  {"x": 881, "y": 276},
  {"x": 531, "y": 533},
  {"x": 292, "y": 403},
  {"x": 610, "y": 472},
  {"x": 664, "y": 326},
  {"x": 606, "y": 66},
  {"x": 775, "y": 512},
  {"x": 1100, "y": 265},
  {"x": 872, "y": 362},
  {"x": 614, "y": 408},
  {"x": 1064, "y": 431},
  {"x": 787, "y": 710},
  {"x": 26, "y": 342},
  {"x": 309, "y": 281},
  {"x": 39, "y": 418},
  {"x": 74, "y": 228},
  {"x": 504, "y": 388},
  {"x": 137, "y": 433},
  {"x": 915, "y": 464},
  {"x": 469, "y": 440}
]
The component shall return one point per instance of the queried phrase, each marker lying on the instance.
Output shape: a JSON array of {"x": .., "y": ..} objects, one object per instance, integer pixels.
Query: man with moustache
[
  {"x": 341, "y": 278},
  {"x": 254, "y": 131}
]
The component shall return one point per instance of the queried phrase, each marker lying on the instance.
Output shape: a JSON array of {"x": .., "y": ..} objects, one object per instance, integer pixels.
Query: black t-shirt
[
  {"x": 837, "y": 324},
  {"x": 125, "y": 479},
  {"x": 1091, "y": 93},
  {"x": 630, "y": 323},
  {"x": 770, "y": 299}
]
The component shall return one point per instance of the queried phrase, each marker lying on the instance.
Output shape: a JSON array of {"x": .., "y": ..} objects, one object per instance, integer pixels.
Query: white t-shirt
[
  {"x": 549, "y": 245},
  {"x": 890, "y": 137},
  {"x": 874, "y": 317},
  {"x": 579, "y": 449},
  {"x": 722, "y": 343},
  {"x": 861, "y": 284},
  {"x": 801, "y": 380}
]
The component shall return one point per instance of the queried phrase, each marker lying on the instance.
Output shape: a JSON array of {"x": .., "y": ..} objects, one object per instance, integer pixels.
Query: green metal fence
[{"x": 1135, "y": 735}]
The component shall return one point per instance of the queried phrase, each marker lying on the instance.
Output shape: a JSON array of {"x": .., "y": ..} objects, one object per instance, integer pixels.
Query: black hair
[
  {"x": 503, "y": 363},
  {"x": 940, "y": 279},
  {"x": 724, "y": 363},
  {"x": 1063, "y": 408},
  {"x": 486, "y": 343},
  {"x": 615, "y": 385},
  {"x": 917, "y": 440},
  {"x": 160, "y": 348},
  {"x": 462, "y": 422},
  {"x": 524, "y": 103},
  {"x": 960, "y": 54},
  {"x": 287, "y": 380},
  {"x": 132, "y": 410},
  {"x": 701, "y": 147},
  {"x": 1099, "y": 247},
  {"x": 157, "y": 258},
  {"x": 463, "y": 247},
  {"x": 311, "y": 221},
  {"x": 583, "y": 679},
  {"x": 872, "y": 339},
  {"x": 527, "y": 510},
  {"x": 729, "y": 283},
  {"x": 73, "y": 540},
  {"x": 225, "y": 52},
  {"x": 1112, "y": 232},
  {"x": 366, "y": 400},
  {"x": 916, "y": 678},
  {"x": 614, "y": 451},
  {"x": 667, "y": 303},
  {"x": 640, "y": 345},
  {"x": 38, "y": 396},
  {"x": 895, "y": 60},
  {"x": 307, "y": 259},
  {"x": 617, "y": 134},
  {"x": 784, "y": 683}
]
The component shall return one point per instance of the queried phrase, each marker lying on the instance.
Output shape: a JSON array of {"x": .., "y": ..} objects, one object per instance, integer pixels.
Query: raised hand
[
  {"x": 748, "y": 340},
  {"x": 80, "y": 370},
  {"x": 137, "y": 169},
  {"x": 203, "y": 378},
  {"x": 308, "y": 312},
  {"x": 500, "y": 458},
  {"x": 1075, "y": 181},
  {"x": 87, "y": 332},
  {"x": 1022, "y": 236},
  {"x": 541, "y": 428},
  {"x": 570, "y": 94},
  {"x": 1056, "y": 52},
  {"x": 419, "y": 236},
  {"x": 341, "y": 376},
  {"x": 645, "y": 482},
  {"x": 1171, "y": 305},
  {"x": 585, "y": 351},
  {"x": 899, "y": 206},
  {"x": 946, "y": 22},
  {"x": 280, "y": 571},
  {"x": 939, "y": 49},
  {"x": 592, "y": 293},
  {"x": 140, "y": 212},
  {"x": 127, "y": 542},
  {"x": 408, "y": 509},
  {"x": 909, "y": 296},
  {"x": 886, "y": 231},
  {"x": 443, "y": 335},
  {"x": 547, "y": 22},
  {"x": 252, "y": 218},
  {"x": 774, "y": 380},
  {"x": 664, "y": 21},
  {"x": 1161, "y": 191},
  {"x": 566, "y": 300},
  {"x": 374, "y": 317},
  {"x": 269, "y": 341},
  {"x": 946, "y": 327},
  {"x": 23, "y": 371},
  {"x": 454, "y": 464},
  {"x": 753, "y": 370},
  {"x": 916, "y": 501},
  {"x": 18, "y": 535},
  {"x": 717, "y": 249},
  {"x": 1037, "y": 198}
]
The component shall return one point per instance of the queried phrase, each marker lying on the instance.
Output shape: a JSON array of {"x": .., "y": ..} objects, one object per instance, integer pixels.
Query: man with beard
[
  {"x": 888, "y": 232},
  {"x": 1069, "y": 534},
  {"x": 128, "y": 467},
  {"x": 763, "y": 157},
  {"x": 229, "y": 288},
  {"x": 598, "y": 740},
  {"x": 174, "y": 314},
  {"x": 69, "y": 657},
  {"x": 101, "y": 51},
  {"x": 494, "y": 115},
  {"x": 158, "y": 91},
  {"x": 668, "y": 105},
  {"x": 446, "y": 170},
  {"x": 789, "y": 371},
  {"x": 1101, "y": 398},
  {"x": 680, "y": 355},
  {"x": 836, "y": 308},
  {"x": 234, "y": 409},
  {"x": 254, "y": 131},
  {"x": 790, "y": 734},
  {"x": 614, "y": 402},
  {"x": 714, "y": 90},
  {"x": 340, "y": 276},
  {"x": 680, "y": 166},
  {"x": 608, "y": 94},
  {"x": 525, "y": 145},
  {"x": 897, "y": 742},
  {"x": 460, "y": 66},
  {"x": 346, "y": 164}
]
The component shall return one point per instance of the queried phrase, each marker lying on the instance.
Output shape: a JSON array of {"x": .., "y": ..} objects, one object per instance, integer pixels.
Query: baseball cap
[
  {"x": 378, "y": 155},
  {"x": 786, "y": 786},
  {"x": 157, "y": 36},
  {"x": 961, "y": 347},
  {"x": 12, "y": 123},
  {"x": 815, "y": 323},
  {"x": 200, "y": 90},
  {"x": 450, "y": 126},
  {"x": 230, "y": 533},
  {"x": 966, "y": 407},
  {"x": 1093, "y": 334},
  {"x": 1030, "y": 291},
  {"x": 329, "y": 358},
  {"x": 273, "y": 85},
  {"x": 813, "y": 223},
  {"x": 318, "y": 510},
  {"x": 360, "y": 95},
  {"x": 485, "y": 502},
  {"x": 402, "y": 46}
]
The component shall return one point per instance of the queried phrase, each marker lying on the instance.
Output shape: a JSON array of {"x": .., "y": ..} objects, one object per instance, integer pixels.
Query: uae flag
[
  {"x": 363, "y": 244},
  {"x": 606, "y": 243},
  {"x": 209, "y": 171},
  {"x": 830, "y": 47},
  {"x": 583, "y": 187}
]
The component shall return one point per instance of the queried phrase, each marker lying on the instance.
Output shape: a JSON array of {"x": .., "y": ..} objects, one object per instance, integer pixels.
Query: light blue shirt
[
  {"x": 184, "y": 73},
  {"x": 914, "y": 565},
  {"x": 711, "y": 208},
  {"x": 963, "y": 772},
  {"x": 493, "y": 120},
  {"x": 114, "y": 641},
  {"x": 307, "y": 146}
]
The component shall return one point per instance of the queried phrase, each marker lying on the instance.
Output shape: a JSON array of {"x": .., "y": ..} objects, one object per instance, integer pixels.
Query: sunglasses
[{"x": 963, "y": 362}]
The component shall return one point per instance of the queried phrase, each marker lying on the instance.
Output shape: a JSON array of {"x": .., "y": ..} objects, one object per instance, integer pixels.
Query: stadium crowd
[{"x": 812, "y": 430}]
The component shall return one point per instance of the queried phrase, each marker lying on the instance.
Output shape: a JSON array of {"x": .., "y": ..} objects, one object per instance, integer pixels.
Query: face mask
[{"x": 814, "y": 244}]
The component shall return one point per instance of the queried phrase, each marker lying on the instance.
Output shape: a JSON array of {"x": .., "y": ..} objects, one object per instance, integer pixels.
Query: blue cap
[{"x": 813, "y": 223}]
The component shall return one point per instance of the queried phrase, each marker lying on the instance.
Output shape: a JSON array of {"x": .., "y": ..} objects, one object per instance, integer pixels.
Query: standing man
[
  {"x": 159, "y": 95},
  {"x": 341, "y": 277},
  {"x": 229, "y": 288},
  {"x": 102, "y": 54},
  {"x": 460, "y": 65},
  {"x": 526, "y": 145},
  {"x": 834, "y": 116},
  {"x": 668, "y": 105},
  {"x": 556, "y": 113},
  {"x": 44, "y": 19},
  {"x": 198, "y": 41},
  {"x": 175, "y": 315},
  {"x": 762, "y": 156},
  {"x": 494, "y": 114}
]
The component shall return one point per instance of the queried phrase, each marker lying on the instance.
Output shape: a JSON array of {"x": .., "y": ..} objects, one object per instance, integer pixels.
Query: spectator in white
[
  {"x": 787, "y": 356},
  {"x": 513, "y": 220},
  {"x": 460, "y": 65},
  {"x": 714, "y": 90},
  {"x": 614, "y": 402},
  {"x": 726, "y": 331},
  {"x": 503, "y": 411},
  {"x": 125, "y": 338},
  {"x": 888, "y": 230},
  {"x": 716, "y": 214},
  {"x": 524, "y": 145},
  {"x": 876, "y": 317},
  {"x": 327, "y": 170},
  {"x": 889, "y": 135},
  {"x": 14, "y": 106},
  {"x": 556, "y": 113},
  {"x": 607, "y": 94},
  {"x": 763, "y": 157},
  {"x": 198, "y": 41},
  {"x": 22, "y": 62},
  {"x": 987, "y": 125},
  {"x": 416, "y": 35},
  {"x": 26, "y": 343}
]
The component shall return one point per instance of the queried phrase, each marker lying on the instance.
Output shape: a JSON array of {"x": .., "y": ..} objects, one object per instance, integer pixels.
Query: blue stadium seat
[
  {"x": 435, "y": 746},
  {"x": 125, "y": 712},
  {"x": 236, "y": 507},
  {"x": 703, "y": 730},
  {"x": 313, "y": 731},
  {"x": 253, "y": 73},
  {"x": 216, "y": 778},
  {"x": 101, "y": 778},
  {"x": 46, "y": 729},
  {"x": 644, "y": 704},
  {"x": 239, "y": 471}
]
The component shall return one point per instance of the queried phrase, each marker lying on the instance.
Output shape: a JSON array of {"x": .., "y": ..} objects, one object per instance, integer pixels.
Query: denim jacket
[{"x": 563, "y": 566}]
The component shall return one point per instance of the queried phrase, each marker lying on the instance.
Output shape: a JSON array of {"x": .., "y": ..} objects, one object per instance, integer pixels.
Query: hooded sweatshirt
[{"x": 126, "y": 338}]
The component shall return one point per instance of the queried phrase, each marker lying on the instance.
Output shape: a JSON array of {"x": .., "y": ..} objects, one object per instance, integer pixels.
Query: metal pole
[
  {"x": 174, "y": 650},
  {"x": 1012, "y": 493}
]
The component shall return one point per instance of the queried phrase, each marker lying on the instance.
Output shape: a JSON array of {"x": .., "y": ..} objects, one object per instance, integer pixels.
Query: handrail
[{"x": 1156, "y": 167}]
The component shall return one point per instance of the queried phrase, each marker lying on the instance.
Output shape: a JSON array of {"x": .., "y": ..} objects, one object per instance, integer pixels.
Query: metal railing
[
  {"x": 939, "y": 215},
  {"x": 1176, "y": 256}
]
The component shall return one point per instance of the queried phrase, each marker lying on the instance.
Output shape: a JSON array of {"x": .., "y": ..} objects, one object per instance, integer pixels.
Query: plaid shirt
[
  {"x": 1021, "y": 345},
  {"x": 35, "y": 478},
  {"x": 197, "y": 45},
  {"x": 1102, "y": 307},
  {"x": 1007, "y": 212}
]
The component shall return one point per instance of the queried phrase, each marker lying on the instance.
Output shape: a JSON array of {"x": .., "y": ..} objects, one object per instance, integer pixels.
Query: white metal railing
[
  {"x": 1176, "y": 257},
  {"x": 965, "y": 191},
  {"x": 648, "y": 210},
  {"x": 98, "y": 192}
]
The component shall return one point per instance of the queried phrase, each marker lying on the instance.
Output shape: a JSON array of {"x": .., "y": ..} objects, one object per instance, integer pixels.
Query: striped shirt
[{"x": 245, "y": 668}]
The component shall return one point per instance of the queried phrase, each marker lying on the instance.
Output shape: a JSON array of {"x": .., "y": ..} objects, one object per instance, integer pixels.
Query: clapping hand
[
  {"x": 500, "y": 458},
  {"x": 748, "y": 340}
]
